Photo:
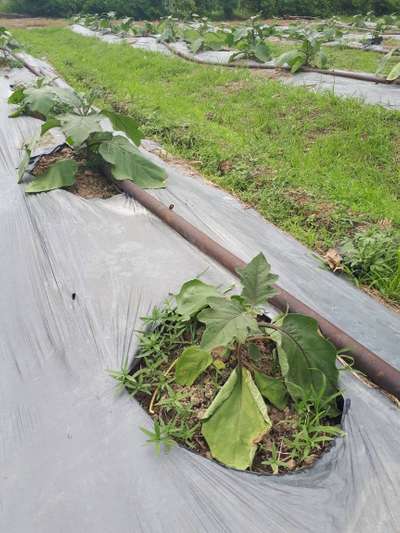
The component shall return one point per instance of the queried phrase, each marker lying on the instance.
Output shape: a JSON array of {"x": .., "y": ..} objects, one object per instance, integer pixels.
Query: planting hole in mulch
[
  {"x": 267, "y": 403},
  {"x": 90, "y": 182}
]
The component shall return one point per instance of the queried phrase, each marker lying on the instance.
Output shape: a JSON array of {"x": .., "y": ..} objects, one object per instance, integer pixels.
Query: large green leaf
[
  {"x": 126, "y": 124},
  {"x": 236, "y": 421},
  {"x": 226, "y": 321},
  {"x": 127, "y": 163},
  {"x": 295, "y": 59},
  {"x": 262, "y": 52},
  {"x": 192, "y": 362},
  {"x": 306, "y": 358},
  {"x": 77, "y": 128},
  {"x": 47, "y": 100},
  {"x": 193, "y": 297},
  {"x": 257, "y": 281},
  {"x": 61, "y": 174},
  {"x": 274, "y": 390}
]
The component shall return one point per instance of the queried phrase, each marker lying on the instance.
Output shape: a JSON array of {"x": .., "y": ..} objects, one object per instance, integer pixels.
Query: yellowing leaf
[{"x": 236, "y": 421}]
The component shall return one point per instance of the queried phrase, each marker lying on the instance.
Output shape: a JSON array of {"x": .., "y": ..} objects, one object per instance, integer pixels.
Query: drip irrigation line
[{"x": 379, "y": 371}]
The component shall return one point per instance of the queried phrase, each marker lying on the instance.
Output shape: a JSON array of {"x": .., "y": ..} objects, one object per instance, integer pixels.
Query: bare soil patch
[
  {"x": 90, "y": 183},
  {"x": 29, "y": 23}
]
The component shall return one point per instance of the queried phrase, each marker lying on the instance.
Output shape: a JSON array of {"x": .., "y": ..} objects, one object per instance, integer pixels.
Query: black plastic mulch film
[{"x": 72, "y": 456}]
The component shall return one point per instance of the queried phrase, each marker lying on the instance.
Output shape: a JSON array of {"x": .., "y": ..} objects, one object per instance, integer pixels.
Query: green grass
[
  {"x": 344, "y": 58},
  {"x": 316, "y": 165}
]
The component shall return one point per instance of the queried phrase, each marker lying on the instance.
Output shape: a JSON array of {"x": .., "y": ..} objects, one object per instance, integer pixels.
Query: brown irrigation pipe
[
  {"x": 379, "y": 371},
  {"x": 262, "y": 66}
]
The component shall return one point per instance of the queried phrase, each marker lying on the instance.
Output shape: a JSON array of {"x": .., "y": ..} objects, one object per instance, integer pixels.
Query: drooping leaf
[
  {"x": 236, "y": 421},
  {"x": 25, "y": 161},
  {"x": 197, "y": 45},
  {"x": 126, "y": 124},
  {"x": 61, "y": 174},
  {"x": 262, "y": 52},
  {"x": 226, "y": 321},
  {"x": 322, "y": 59},
  {"x": 192, "y": 362},
  {"x": 257, "y": 281},
  {"x": 47, "y": 100},
  {"x": 23, "y": 166},
  {"x": 127, "y": 163},
  {"x": 384, "y": 61},
  {"x": 306, "y": 357},
  {"x": 297, "y": 63},
  {"x": 95, "y": 139},
  {"x": 193, "y": 297},
  {"x": 274, "y": 390},
  {"x": 287, "y": 58},
  {"x": 394, "y": 73},
  {"x": 77, "y": 128}
]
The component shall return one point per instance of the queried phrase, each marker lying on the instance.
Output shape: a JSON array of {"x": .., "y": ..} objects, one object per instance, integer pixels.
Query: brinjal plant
[
  {"x": 82, "y": 125},
  {"x": 201, "y": 35},
  {"x": 308, "y": 54},
  {"x": 220, "y": 377},
  {"x": 7, "y": 44},
  {"x": 169, "y": 29},
  {"x": 250, "y": 42}
]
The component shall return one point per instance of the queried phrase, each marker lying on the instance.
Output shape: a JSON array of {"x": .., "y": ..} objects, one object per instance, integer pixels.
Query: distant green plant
[
  {"x": 308, "y": 54},
  {"x": 394, "y": 73},
  {"x": 250, "y": 41},
  {"x": 373, "y": 257},
  {"x": 7, "y": 44},
  {"x": 169, "y": 29}
]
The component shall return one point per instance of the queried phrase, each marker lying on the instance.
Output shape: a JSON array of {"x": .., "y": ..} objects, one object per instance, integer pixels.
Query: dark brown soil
[
  {"x": 199, "y": 396},
  {"x": 89, "y": 182}
]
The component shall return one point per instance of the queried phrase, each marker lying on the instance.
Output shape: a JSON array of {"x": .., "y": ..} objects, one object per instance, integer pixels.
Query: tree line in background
[{"x": 153, "y": 9}]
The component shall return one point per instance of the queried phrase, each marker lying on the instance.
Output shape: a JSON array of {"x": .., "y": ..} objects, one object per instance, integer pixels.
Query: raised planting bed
[{"x": 222, "y": 379}]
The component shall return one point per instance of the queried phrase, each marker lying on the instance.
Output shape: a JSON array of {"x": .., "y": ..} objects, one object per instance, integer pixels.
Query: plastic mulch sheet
[
  {"x": 385, "y": 95},
  {"x": 72, "y": 457}
]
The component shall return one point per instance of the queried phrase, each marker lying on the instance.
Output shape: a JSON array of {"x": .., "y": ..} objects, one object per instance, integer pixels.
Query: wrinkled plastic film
[{"x": 71, "y": 452}]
